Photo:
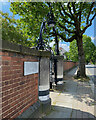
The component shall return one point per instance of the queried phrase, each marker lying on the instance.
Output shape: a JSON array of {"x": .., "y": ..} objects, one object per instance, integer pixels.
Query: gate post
[
  {"x": 59, "y": 68},
  {"x": 44, "y": 83}
]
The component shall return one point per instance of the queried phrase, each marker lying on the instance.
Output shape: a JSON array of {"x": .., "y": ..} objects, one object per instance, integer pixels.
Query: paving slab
[{"x": 72, "y": 99}]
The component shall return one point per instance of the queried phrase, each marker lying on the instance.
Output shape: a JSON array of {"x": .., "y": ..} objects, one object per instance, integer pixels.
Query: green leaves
[
  {"x": 72, "y": 16},
  {"x": 12, "y": 32},
  {"x": 89, "y": 50},
  {"x": 32, "y": 14},
  {"x": 73, "y": 51}
]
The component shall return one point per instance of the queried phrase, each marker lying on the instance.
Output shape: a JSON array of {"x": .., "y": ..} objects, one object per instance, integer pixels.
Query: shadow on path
[
  {"x": 79, "y": 90},
  {"x": 72, "y": 99},
  {"x": 64, "y": 112}
]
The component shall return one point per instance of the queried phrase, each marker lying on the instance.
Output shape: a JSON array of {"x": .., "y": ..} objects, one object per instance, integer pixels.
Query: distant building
[{"x": 62, "y": 51}]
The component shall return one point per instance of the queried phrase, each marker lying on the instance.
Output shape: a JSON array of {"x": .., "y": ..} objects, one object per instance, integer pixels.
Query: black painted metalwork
[
  {"x": 55, "y": 70},
  {"x": 41, "y": 45},
  {"x": 50, "y": 21},
  {"x": 44, "y": 93},
  {"x": 56, "y": 41},
  {"x": 57, "y": 53}
]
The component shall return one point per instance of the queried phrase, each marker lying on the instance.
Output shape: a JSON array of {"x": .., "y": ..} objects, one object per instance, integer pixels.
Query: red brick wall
[
  {"x": 18, "y": 91},
  {"x": 67, "y": 65}
]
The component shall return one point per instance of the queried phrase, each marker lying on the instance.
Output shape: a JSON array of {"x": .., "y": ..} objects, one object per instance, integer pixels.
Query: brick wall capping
[
  {"x": 58, "y": 57},
  {"x": 13, "y": 47}
]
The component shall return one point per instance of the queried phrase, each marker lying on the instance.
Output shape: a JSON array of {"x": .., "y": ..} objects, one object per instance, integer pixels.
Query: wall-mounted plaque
[{"x": 31, "y": 68}]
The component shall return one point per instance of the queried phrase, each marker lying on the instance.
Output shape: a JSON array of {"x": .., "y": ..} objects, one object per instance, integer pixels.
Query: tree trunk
[{"x": 81, "y": 57}]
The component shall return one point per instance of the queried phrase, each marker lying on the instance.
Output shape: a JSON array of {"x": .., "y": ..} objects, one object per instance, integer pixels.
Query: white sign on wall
[{"x": 31, "y": 68}]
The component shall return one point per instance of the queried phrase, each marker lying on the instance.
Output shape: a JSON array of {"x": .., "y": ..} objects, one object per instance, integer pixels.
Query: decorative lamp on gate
[{"x": 50, "y": 21}]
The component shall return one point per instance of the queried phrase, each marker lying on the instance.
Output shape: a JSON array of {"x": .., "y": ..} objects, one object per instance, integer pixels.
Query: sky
[{"x": 4, "y": 6}]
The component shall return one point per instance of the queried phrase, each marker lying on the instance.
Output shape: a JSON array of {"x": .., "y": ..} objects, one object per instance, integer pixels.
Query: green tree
[
  {"x": 72, "y": 20},
  {"x": 11, "y": 32},
  {"x": 89, "y": 50},
  {"x": 93, "y": 58},
  {"x": 67, "y": 55},
  {"x": 31, "y": 17},
  {"x": 73, "y": 51}
]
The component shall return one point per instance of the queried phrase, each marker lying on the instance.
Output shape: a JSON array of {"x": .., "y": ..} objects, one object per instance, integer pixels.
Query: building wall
[
  {"x": 67, "y": 65},
  {"x": 18, "y": 91}
]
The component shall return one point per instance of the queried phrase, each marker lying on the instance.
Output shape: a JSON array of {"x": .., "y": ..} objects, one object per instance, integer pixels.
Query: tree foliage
[
  {"x": 89, "y": 49},
  {"x": 32, "y": 15},
  {"x": 73, "y": 51},
  {"x": 12, "y": 32},
  {"x": 72, "y": 20}
]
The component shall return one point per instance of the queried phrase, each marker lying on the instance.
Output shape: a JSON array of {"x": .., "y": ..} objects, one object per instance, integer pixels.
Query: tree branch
[
  {"x": 65, "y": 19},
  {"x": 65, "y": 28},
  {"x": 92, "y": 18},
  {"x": 67, "y": 40},
  {"x": 68, "y": 5},
  {"x": 81, "y": 7},
  {"x": 80, "y": 14},
  {"x": 90, "y": 12},
  {"x": 88, "y": 24},
  {"x": 66, "y": 12},
  {"x": 73, "y": 5}
]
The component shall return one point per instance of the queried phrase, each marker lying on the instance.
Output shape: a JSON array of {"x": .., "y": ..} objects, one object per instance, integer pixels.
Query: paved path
[{"x": 73, "y": 99}]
